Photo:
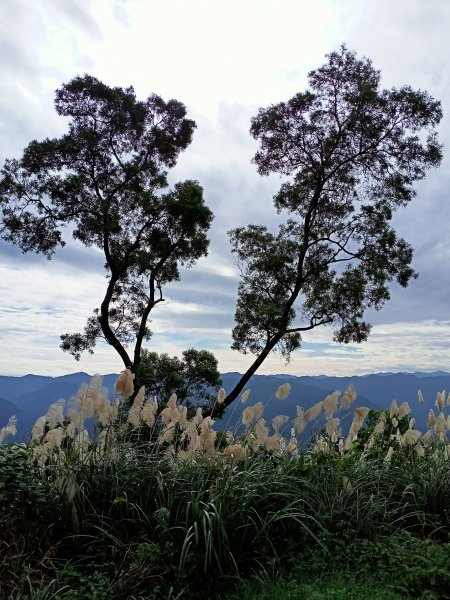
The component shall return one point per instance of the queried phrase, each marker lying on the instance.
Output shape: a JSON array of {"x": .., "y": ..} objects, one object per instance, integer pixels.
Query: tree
[
  {"x": 350, "y": 153},
  {"x": 193, "y": 378},
  {"x": 105, "y": 179}
]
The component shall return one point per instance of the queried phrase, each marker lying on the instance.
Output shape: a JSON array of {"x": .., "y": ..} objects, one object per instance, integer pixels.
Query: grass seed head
[
  {"x": 166, "y": 435},
  {"x": 411, "y": 437},
  {"x": 245, "y": 395},
  {"x": 9, "y": 429},
  {"x": 54, "y": 437},
  {"x": 55, "y": 414},
  {"x": 349, "y": 397},
  {"x": 428, "y": 438},
  {"x": 313, "y": 412},
  {"x": 235, "y": 453},
  {"x": 149, "y": 410},
  {"x": 272, "y": 442},
  {"x": 330, "y": 404},
  {"x": 283, "y": 391},
  {"x": 441, "y": 424},
  {"x": 393, "y": 409},
  {"x": 299, "y": 422},
  {"x": 440, "y": 400},
  {"x": 389, "y": 454},
  {"x": 431, "y": 419},
  {"x": 221, "y": 396},
  {"x": 279, "y": 421},
  {"x": 82, "y": 442},
  {"x": 361, "y": 413},
  {"x": 381, "y": 424},
  {"x": 420, "y": 450},
  {"x": 251, "y": 413},
  {"x": 38, "y": 429},
  {"x": 125, "y": 384},
  {"x": 403, "y": 410},
  {"x": 261, "y": 431},
  {"x": 332, "y": 426}
]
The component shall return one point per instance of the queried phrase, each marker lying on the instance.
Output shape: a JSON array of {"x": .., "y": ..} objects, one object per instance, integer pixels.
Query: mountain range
[{"x": 29, "y": 397}]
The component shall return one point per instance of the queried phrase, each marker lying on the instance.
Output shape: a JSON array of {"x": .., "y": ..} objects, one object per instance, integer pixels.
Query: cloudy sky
[{"x": 223, "y": 60}]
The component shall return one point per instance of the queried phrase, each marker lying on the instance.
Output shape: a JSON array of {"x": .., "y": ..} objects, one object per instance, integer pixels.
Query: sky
[{"x": 223, "y": 60}]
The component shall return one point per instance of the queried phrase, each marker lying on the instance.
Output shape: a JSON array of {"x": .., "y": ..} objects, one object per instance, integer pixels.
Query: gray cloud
[
  {"x": 74, "y": 11},
  {"x": 42, "y": 47}
]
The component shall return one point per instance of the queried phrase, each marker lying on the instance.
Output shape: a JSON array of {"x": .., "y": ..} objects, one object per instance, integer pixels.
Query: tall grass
[{"x": 151, "y": 500}]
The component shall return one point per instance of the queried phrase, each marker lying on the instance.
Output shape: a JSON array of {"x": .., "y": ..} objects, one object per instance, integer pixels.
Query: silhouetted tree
[
  {"x": 194, "y": 378},
  {"x": 105, "y": 179},
  {"x": 350, "y": 153}
]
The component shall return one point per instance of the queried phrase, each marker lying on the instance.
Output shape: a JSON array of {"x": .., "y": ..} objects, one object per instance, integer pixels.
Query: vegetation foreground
[{"x": 113, "y": 499}]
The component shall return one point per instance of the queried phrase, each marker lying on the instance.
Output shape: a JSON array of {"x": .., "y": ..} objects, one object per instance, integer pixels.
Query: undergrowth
[{"x": 110, "y": 501}]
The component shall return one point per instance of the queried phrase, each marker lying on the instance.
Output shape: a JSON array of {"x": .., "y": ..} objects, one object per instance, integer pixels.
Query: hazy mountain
[
  {"x": 8, "y": 409},
  {"x": 29, "y": 397},
  {"x": 264, "y": 388},
  {"x": 35, "y": 399},
  {"x": 14, "y": 387}
]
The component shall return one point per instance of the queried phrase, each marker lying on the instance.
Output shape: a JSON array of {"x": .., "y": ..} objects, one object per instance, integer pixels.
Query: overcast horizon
[{"x": 223, "y": 61}]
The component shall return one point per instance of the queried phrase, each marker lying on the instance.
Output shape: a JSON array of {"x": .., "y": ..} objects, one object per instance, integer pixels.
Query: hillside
[{"x": 29, "y": 397}]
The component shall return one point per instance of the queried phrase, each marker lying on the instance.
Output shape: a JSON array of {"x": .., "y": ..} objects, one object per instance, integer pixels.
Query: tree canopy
[
  {"x": 194, "y": 378},
  {"x": 349, "y": 153},
  {"x": 106, "y": 181}
]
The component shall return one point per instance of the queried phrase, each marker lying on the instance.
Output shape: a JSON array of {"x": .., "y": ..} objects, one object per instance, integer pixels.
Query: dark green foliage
[
  {"x": 26, "y": 500},
  {"x": 382, "y": 440},
  {"x": 351, "y": 153},
  {"x": 139, "y": 526},
  {"x": 105, "y": 178},
  {"x": 193, "y": 378}
]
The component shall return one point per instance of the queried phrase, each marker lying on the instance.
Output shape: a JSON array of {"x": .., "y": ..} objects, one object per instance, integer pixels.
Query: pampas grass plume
[
  {"x": 9, "y": 429},
  {"x": 245, "y": 395},
  {"x": 332, "y": 426},
  {"x": 251, "y": 413},
  {"x": 410, "y": 437},
  {"x": 272, "y": 442},
  {"x": 135, "y": 411},
  {"x": 279, "y": 421},
  {"x": 440, "y": 400},
  {"x": 389, "y": 454},
  {"x": 299, "y": 422},
  {"x": 330, "y": 404},
  {"x": 313, "y": 412},
  {"x": 420, "y": 450},
  {"x": 235, "y": 452},
  {"x": 431, "y": 419},
  {"x": 361, "y": 413},
  {"x": 283, "y": 391},
  {"x": 54, "y": 437},
  {"x": 441, "y": 423},
  {"x": 403, "y": 410},
  {"x": 125, "y": 384},
  {"x": 82, "y": 441},
  {"x": 393, "y": 409},
  {"x": 55, "y": 414},
  {"x": 148, "y": 412},
  {"x": 38, "y": 429},
  {"x": 381, "y": 424},
  {"x": 261, "y": 430},
  {"x": 349, "y": 396}
]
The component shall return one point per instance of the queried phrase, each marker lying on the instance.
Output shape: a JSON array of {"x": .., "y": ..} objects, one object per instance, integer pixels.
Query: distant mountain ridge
[{"x": 29, "y": 396}]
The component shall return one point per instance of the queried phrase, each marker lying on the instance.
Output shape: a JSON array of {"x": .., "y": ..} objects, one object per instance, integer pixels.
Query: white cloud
[{"x": 224, "y": 61}]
